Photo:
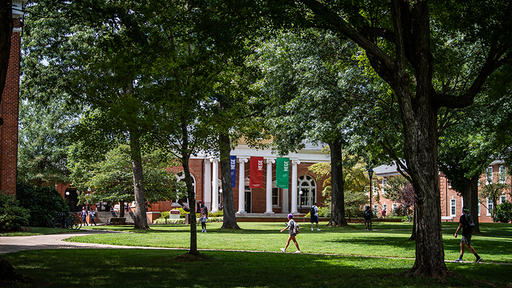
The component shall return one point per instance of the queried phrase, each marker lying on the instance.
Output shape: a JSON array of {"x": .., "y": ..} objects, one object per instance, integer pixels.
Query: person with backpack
[
  {"x": 92, "y": 216},
  {"x": 313, "y": 212},
  {"x": 368, "y": 218},
  {"x": 203, "y": 211},
  {"x": 293, "y": 227},
  {"x": 467, "y": 224}
]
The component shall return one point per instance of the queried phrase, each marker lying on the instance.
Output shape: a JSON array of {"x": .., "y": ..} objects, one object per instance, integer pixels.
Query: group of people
[{"x": 92, "y": 216}]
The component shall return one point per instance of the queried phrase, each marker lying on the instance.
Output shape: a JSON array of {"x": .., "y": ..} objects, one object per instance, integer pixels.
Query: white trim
[
  {"x": 453, "y": 207},
  {"x": 501, "y": 198},
  {"x": 489, "y": 203}
]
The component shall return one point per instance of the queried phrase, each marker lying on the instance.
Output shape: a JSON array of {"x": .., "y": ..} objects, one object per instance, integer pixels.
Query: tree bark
[
  {"x": 229, "y": 217},
  {"x": 140, "y": 220},
  {"x": 337, "y": 193},
  {"x": 470, "y": 199},
  {"x": 5, "y": 41},
  {"x": 121, "y": 209},
  {"x": 192, "y": 204},
  {"x": 414, "y": 224}
]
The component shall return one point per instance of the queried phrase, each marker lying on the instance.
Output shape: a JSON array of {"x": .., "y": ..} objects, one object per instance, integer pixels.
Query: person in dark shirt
[
  {"x": 368, "y": 217},
  {"x": 467, "y": 224}
]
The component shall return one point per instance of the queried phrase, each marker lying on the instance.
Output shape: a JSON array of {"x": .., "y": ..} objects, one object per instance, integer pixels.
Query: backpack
[
  {"x": 312, "y": 211},
  {"x": 296, "y": 228},
  {"x": 470, "y": 221},
  {"x": 368, "y": 213}
]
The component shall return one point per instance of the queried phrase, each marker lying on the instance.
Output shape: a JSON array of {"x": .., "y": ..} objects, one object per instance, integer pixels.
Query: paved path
[{"x": 56, "y": 241}]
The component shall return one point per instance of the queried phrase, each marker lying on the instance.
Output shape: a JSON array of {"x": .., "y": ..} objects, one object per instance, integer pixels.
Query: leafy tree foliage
[
  {"x": 12, "y": 215},
  {"x": 493, "y": 192},
  {"x": 43, "y": 203}
]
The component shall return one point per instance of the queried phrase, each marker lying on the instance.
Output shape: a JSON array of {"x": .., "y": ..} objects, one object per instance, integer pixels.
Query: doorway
[{"x": 248, "y": 197}]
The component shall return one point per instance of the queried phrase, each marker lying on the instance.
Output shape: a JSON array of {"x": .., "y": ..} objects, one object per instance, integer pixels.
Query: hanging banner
[
  {"x": 283, "y": 172},
  {"x": 232, "y": 165},
  {"x": 256, "y": 178}
]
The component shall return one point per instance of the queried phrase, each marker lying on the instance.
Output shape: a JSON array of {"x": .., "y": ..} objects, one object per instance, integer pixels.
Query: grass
[
  {"x": 168, "y": 268},
  {"x": 494, "y": 244},
  {"x": 340, "y": 257}
]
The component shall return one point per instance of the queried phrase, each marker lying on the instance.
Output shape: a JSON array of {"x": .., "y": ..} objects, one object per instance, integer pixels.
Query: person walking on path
[
  {"x": 293, "y": 227},
  {"x": 203, "y": 210},
  {"x": 84, "y": 213},
  {"x": 314, "y": 216},
  {"x": 92, "y": 216},
  {"x": 467, "y": 224},
  {"x": 368, "y": 218}
]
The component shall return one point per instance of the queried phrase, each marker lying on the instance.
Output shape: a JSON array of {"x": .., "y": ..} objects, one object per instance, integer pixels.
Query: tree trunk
[
  {"x": 191, "y": 200},
  {"x": 5, "y": 41},
  {"x": 140, "y": 220},
  {"x": 475, "y": 203},
  {"x": 420, "y": 147},
  {"x": 229, "y": 218},
  {"x": 414, "y": 224},
  {"x": 337, "y": 193},
  {"x": 121, "y": 209}
]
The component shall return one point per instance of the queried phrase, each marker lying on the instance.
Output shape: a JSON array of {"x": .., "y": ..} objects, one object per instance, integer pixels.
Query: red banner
[{"x": 256, "y": 178}]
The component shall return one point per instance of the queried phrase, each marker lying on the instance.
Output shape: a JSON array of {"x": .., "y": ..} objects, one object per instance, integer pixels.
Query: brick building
[
  {"x": 451, "y": 202},
  {"x": 304, "y": 186},
  {"x": 9, "y": 108}
]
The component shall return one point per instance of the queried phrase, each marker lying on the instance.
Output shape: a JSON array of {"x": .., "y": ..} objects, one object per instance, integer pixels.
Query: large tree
[
  {"x": 306, "y": 88},
  {"x": 96, "y": 53},
  {"x": 404, "y": 42}
]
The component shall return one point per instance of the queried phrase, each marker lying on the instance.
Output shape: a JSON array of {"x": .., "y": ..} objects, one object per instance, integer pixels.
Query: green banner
[{"x": 283, "y": 172}]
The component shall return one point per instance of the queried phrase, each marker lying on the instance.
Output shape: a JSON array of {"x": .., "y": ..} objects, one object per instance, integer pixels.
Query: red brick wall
[{"x": 9, "y": 113}]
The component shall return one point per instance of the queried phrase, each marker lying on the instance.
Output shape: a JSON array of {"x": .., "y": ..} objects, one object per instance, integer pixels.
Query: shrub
[
  {"x": 12, "y": 215},
  {"x": 503, "y": 212},
  {"x": 43, "y": 203}
]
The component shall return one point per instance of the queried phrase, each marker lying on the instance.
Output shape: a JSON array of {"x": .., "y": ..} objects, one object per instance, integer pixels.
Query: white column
[
  {"x": 294, "y": 186},
  {"x": 207, "y": 183},
  {"x": 215, "y": 185},
  {"x": 241, "y": 185},
  {"x": 268, "y": 200}
]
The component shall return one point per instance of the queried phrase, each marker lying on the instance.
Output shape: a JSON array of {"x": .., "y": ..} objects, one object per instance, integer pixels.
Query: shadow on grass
[{"x": 159, "y": 268}]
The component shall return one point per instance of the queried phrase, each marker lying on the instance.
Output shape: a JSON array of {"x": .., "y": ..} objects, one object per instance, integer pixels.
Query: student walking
[
  {"x": 203, "y": 210},
  {"x": 294, "y": 228},
  {"x": 368, "y": 218},
  {"x": 84, "y": 213},
  {"x": 314, "y": 216},
  {"x": 467, "y": 224},
  {"x": 92, "y": 216}
]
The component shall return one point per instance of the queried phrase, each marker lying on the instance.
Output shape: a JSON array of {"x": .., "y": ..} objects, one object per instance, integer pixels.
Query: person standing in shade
[
  {"x": 314, "y": 216},
  {"x": 368, "y": 217},
  {"x": 203, "y": 211},
  {"x": 293, "y": 227},
  {"x": 467, "y": 224}
]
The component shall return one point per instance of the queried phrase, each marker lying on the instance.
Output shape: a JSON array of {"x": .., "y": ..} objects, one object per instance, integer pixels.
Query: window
[
  {"x": 275, "y": 196},
  {"x": 181, "y": 177},
  {"x": 503, "y": 199},
  {"x": 489, "y": 207},
  {"x": 306, "y": 191},
  {"x": 393, "y": 207},
  {"x": 479, "y": 207},
  {"x": 385, "y": 208},
  {"x": 489, "y": 175},
  {"x": 453, "y": 207},
  {"x": 375, "y": 188},
  {"x": 375, "y": 209},
  {"x": 384, "y": 182},
  {"x": 503, "y": 174}
]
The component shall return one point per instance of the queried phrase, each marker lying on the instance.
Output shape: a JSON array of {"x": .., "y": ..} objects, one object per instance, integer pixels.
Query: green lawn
[
  {"x": 335, "y": 259},
  {"x": 164, "y": 268},
  {"x": 388, "y": 239}
]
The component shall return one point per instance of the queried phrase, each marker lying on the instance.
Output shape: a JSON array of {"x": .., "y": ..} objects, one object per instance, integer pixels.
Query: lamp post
[{"x": 370, "y": 174}]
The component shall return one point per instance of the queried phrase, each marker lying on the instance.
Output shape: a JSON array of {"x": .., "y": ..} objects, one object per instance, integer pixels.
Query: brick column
[{"x": 9, "y": 113}]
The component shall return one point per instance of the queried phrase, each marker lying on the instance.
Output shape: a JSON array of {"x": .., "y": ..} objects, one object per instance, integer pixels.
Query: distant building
[{"x": 451, "y": 202}]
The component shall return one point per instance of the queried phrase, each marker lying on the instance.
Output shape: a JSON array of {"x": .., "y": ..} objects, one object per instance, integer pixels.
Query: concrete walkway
[{"x": 55, "y": 241}]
